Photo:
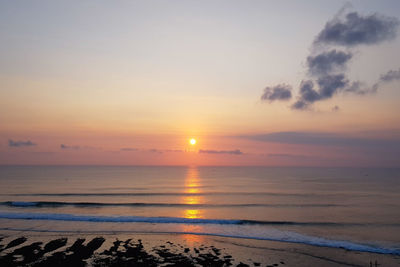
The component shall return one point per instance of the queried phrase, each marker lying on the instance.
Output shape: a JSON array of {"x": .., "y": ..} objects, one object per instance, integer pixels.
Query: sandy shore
[{"x": 30, "y": 249}]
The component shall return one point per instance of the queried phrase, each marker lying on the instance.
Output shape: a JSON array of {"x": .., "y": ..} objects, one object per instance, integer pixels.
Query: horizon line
[{"x": 188, "y": 166}]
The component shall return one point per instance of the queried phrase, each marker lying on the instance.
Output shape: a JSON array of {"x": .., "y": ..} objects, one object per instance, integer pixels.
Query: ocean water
[{"x": 352, "y": 208}]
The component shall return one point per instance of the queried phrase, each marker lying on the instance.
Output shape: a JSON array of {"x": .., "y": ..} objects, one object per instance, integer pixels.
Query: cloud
[
  {"x": 355, "y": 29},
  {"x": 328, "y": 86},
  {"x": 12, "y": 143},
  {"x": 327, "y": 62},
  {"x": 327, "y": 65},
  {"x": 391, "y": 75},
  {"x": 323, "y": 139},
  {"x": 62, "y": 146},
  {"x": 289, "y": 156},
  {"x": 300, "y": 104},
  {"x": 153, "y": 150},
  {"x": 359, "y": 88},
  {"x": 232, "y": 152},
  {"x": 307, "y": 95},
  {"x": 331, "y": 84},
  {"x": 277, "y": 92},
  {"x": 278, "y": 155}
]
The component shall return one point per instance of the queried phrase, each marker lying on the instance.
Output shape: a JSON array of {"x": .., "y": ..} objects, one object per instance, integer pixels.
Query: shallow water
[{"x": 358, "y": 209}]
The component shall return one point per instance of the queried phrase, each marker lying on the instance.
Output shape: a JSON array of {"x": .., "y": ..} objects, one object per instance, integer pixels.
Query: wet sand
[{"x": 33, "y": 249}]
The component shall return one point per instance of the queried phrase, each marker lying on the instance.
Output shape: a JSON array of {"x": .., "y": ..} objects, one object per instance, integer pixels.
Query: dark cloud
[
  {"x": 391, "y": 75},
  {"x": 331, "y": 84},
  {"x": 307, "y": 95},
  {"x": 355, "y": 29},
  {"x": 328, "y": 85},
  {"x": 307, "y": 91},
  {"x": 300, "y": 104},
  {"x": 12, "y": 143},
  {"x": 277, "y": 92},
  {"x": 323, "y": 139},
  {"x": 290, "y": 156},
  {"x": 232, "y": 152},
  {"x": 62, "y": 146},
  {"x": 153, "y": 150},
  {"x": 278, "y": 155},
  {"x": 360, "y": 88},
  {"x": 327, "y": 62},
  {"x": 326, "y": 66},
  {"x": 350, "y": 30},
  {"x": 129, "y": 149}
]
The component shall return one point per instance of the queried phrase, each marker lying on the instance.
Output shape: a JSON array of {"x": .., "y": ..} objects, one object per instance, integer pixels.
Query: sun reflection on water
[{"x": 193, "y": 187}]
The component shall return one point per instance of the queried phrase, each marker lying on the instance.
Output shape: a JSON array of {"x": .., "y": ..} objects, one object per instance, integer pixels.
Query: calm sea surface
[{"x": 358, "y": 209}]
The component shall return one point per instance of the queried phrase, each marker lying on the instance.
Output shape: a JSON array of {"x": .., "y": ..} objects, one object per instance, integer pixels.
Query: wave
[
  {"x": 119, "y": 219},
  {"x": 122, "y": 194},
  {"x": 39, "y": 204},
  {"x": 222, "y": 228},
  {"x": 176, "y": 220},
  {"x": 148, "y": 188}
]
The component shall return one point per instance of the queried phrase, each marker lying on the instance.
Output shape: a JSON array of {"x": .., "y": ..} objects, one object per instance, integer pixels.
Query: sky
[{"x": 274, "y": 83}]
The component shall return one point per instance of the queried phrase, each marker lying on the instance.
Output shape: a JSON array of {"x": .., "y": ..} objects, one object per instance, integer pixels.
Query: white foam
[{"x": 223, "y": 228}]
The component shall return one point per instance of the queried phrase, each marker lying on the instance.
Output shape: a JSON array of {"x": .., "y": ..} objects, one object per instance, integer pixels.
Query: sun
[{"x": 192, "y": 141}]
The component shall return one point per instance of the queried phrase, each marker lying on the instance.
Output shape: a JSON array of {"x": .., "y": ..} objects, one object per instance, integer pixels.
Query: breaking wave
[{"x": 224, "y": 228}]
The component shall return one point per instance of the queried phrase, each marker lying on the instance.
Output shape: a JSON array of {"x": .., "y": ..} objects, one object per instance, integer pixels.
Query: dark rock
[
  {"x": 30, "y": 252},
  {"x": 77, "y": 245},
  {"x": 16, "y": 242},
  {"x": 94, "y": 244},
  {"x": 55, "y": 244}
]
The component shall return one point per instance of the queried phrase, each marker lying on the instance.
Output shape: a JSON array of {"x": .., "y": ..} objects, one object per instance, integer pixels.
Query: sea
[{"x": 352, "y": 208}]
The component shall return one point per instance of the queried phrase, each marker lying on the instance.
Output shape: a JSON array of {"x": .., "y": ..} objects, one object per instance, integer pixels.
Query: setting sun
[{"x": 298, "y": 121}]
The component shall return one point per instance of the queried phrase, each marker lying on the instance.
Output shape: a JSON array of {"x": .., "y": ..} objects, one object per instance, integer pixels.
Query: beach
[{"x": 34, "y": 249}]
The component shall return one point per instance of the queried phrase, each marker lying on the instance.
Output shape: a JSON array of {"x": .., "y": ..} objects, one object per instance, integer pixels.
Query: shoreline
[
  {"x": 314, "y": 241},
  {"x": 172, "y": 249}
]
